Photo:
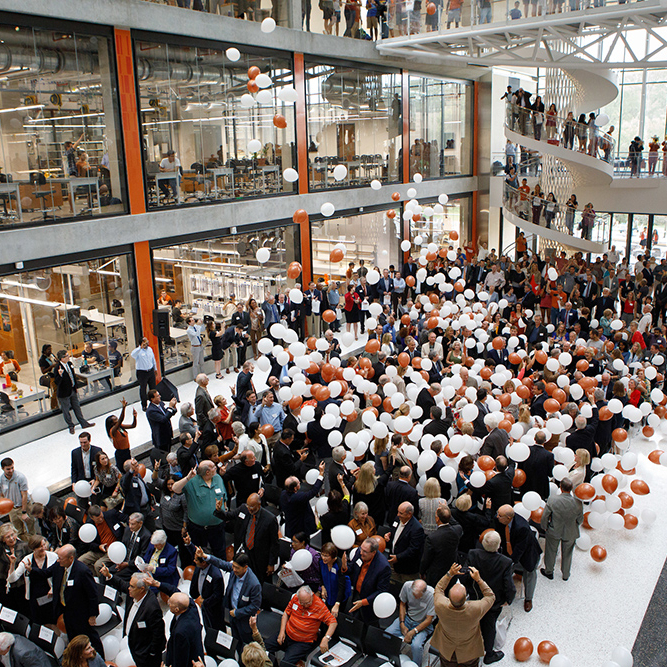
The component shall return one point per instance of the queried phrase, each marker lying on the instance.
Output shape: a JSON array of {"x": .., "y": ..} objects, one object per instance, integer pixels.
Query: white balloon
[
  {"x": 233, "y": 54},
  {"x": 375, "y": 184},
  {"x": 443, "y": 199},
  {"x": 477, "y": 479},
  {"x": 111, "y": 646},
  {"x": 83, "y": 489},
  {"x": 384, "y": 604},
  {"x": 87, "y": 532},
  {"x": 264, "y": 97},
  {"x": 288, "y": 94},
  {"x": 417, "y": 178},
  {"x": 519, "y": 451},
  {"x": 301, "y": 560},
  {"x": 41, "y": 495},
  {"x": 405, "y": 246},
  {"x": 104, "y": 615},
  {"x": 339, "y": 172},
  {"x": 622, "y": 656},
  {"x": 296, "y": 295},
  {"x": 373, "y": 277},
  {"x": 268, "y": 25},
  {"x": 584, "y": 542},
  {"x": 327, "y": 422},
  {"x": 343, "y": 537},
  {"x": 263, "y": 255},
  {"x": 229, "y": 662},
  {"x": 531, "y": 500},
  {"x": 312, "y": 475},
  {"x": 263, "y": 80},
  {"x": 412, "y": 193},
  {"x": 291, "y": 175},
  {"x": 117, "y": 552},
  {"x": 559, "y": 472},
  {"x": 327, "y": 209},
  {"x": 447, "y": 474},
  {"x": 254, "y": 146},
  {"x": 124, "y": 659}
]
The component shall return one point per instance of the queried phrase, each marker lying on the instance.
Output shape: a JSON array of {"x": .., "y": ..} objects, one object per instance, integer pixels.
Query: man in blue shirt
[
  {"x": 145, "y": 366},
  {"x": 271, "y": 413}
]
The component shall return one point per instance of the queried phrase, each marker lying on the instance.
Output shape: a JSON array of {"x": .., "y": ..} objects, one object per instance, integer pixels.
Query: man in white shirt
[
  {"x": 145, "y": 366},
  {"x": 168, "y": 164},
  {"x": 646, "y": 319},
  {"x": 14, "y": 485},
  {"x": 195, "y": 333}
]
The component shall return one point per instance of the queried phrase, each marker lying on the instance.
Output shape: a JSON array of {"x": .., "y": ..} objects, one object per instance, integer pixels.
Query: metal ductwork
[
  {"x": 180, "y": 73},
  {"x": 42, "y": 61}
]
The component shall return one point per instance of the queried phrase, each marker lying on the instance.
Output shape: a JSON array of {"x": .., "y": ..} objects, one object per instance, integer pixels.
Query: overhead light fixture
[
  {"x": 30, "y": 106},
  {"x": 37, "y": 302},
  {"x": 163, "y": 280}
]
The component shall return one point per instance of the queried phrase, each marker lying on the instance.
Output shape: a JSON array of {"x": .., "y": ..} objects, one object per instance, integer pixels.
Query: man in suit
[
  {"x": 21, "y": 652},
  {"x": 379, "y": 367},
  {"x": 538, "y": 467},
  {"x": 143, "y": 624},
  {"x": 432, "y": 345},
  {"x": 496, "y": 441},
  {"x": 385, "y": 287},
  {"x": 439, "y": 425},
  {"x": 286, "y": 463},
  {"x": 401, "y": 491},
  {"x": 458, "y": 637},
  {"x": 498, "y": 489},
  {"x": 370, "y": 574},
  {"x": 496, "y": 570},
  {"x": 405, "y": 541},
  {"x": 441, "y": 547},
  {"x": 562, "y": 516},
  {"x": 241, "y": 318},
  {"x": 186, "y": 454},
  {"x": 584, "y": 435},
  {"x": 536, "y": 332},
  {"x": 605, "y": 301},
  {"x": 336, "y": 467},
  {"x": 426, "y": 399},
  {"x": 203, "y": 400},
  {"x": 295, "y": 505},
  {"x": 568, "y": 315},
  {"x": 312, "y": 301},
  {"x": 243, "y": 597},
  {"x": 68, "y": 398},
  {"x": 365, "y": 292},
  {"x": 519, "y": 543},
  {"x": 159, "y": 418},
  {"x": 537, "y": 406},
  {"x": 479, "y": 426},
  {"x": 256, "y": 535},
  {"x": 135, "y": 491},
  {"x": 83, "y": 458},
  {"x": 244, "y": 380},
  {"x": 437, "y": 447},
  {"x": 208, "y": 590},
  {"x": 136, "y": 538},
  {"x": 74, "y": 595},
  {"x": 589, "y": 289}
]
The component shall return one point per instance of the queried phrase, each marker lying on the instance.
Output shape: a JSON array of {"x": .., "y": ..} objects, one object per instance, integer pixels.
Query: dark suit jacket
[
  {"x": 140, "y": 543},
  {"x": 146, "y": 634},
  {"x": 297, "y": 510},
  {"x": 246, "y": 480},
  {"x": 185, "y": 643},
  {"x": 243, "y": 384},
  {"x": 538, "y": 467},
  {"x": 336, "y": 469},
  {"x": 537, "y": 406},
  {"x": 213, "y": 592},
  {"x": 375, "y": 582},
  {"x": 495, "y": 443},
  {"x": 24, "y": 653},
  {"x": 499, "y": 356},
  {"x": 400, "y": 492},
  {"x": 408, "y": 547},
  {"x": 603, "y": 429},
  {"x": 203, "y": 404},
  {"x": 159, "y": 417},
  {"x": 542, "y": 333},
  {"x": 526, "y": 549},
  {"x": 440, "y": 551},
  {"x": 568, "y": 318},
  {"x": 250, "y": 595},
  {"x": 425, "y": 401},
  {"x": 585, "y": 438},
  {"x": 131, "y": 486},
  {"x": 81, "y": 599},
  {"x": 285, "y": 463},
  {"x": 498, "y": 488},
  {"x": 186, "y": 457},
  {"x": 382, "y": 287},
  {"x": 77, "y": 464},
  {"x": 64, "y": 384},
  {"x": 480, "y": 430},
  {"x": 496, "y": 570}
]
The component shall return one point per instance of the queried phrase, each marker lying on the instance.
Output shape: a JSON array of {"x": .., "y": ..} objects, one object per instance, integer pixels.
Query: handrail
[
  {"x": 562, "y": 131},
  {"x": 528, "y": 238}
]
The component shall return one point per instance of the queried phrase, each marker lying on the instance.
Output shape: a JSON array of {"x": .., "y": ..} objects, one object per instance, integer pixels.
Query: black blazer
[
  {"x": 243, "y": 384},
  {"x": 213, "y": 593},
  {"x": 159, "y": 417},
  {"x": 440, "y": 551},
  {"x": 585, "y": 438},
  {"x": 408, "y": 546},
  {"x": 526, "y": 549},
  {"x": 495, "y": 443},
  {"x": 246, "y": 480},
  {"x": 140, "y": 543},
  {"x": 203, "y": 403},
  {"x": 297, "y": 510},
  {"x": 77, "y": 464},
  {"x": 131, "y": 486},
  {"x": 145, "y": 636},
  {"x": 81, "y": 599},
  {"x": 537, "y": 406},
  {"x": 400, "y": 492},
  {"x": 186, "y": 457},
  {"x": 538, "y": 467},
  {"x": 285, "y": 463},
  {"x": 498, "y": 488},
  {"x": 185, "y": 643},
  {"x": 64, "y": 384},
  {"x": 425, "y": 401},
  {"x": 375, "y": 582},
  {"x": 480, "y": 430},
  {"x": 496, "y": 571}
]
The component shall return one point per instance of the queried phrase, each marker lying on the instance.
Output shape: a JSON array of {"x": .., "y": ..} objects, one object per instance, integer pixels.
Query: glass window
[
  {"x": 371, "y": 237},
  {"x": 354, "y": 121},
  {"x": 440, "y": 127},
  {"x": 211, "y": 278},
  {"x": 447, "y": 225},
  {"x": 638, "y": 236},
  {"x": 619, "y": 233},
  {"x": 209, "y": 132},
  {"x": 87, "y": 308},
  {"x": 59, "y": 127}
]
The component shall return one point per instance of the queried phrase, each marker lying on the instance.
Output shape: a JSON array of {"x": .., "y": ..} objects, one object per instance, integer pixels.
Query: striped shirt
[{"x": 303, "y": 623}]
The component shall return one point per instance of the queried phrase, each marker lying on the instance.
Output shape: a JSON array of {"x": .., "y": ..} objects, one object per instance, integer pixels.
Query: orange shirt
[
  {"x": 105, "y": 534},
  {"x": 525, "y": 191},
  {"x": 303, "y": 623}
]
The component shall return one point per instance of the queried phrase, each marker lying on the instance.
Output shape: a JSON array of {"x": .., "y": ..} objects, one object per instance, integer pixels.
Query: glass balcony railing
[{"x": 558, "y": 131}]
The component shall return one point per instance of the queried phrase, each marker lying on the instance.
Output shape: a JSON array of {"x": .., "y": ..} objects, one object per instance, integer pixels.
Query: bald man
[{"x": 458, "y": 637}]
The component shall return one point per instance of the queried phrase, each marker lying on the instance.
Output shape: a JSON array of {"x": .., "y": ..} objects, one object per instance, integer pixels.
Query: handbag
[{"x": 45, "y": 381}]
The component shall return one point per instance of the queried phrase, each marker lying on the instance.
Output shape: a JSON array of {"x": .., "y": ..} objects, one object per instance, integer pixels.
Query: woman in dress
[
  {"x": 352, "y": 310},
  {"x": 117, "y": 432},
  {"x": 456, "y": 354},
  {"x": 582, "y": 132},
  {"x": 429, "y": 504},
  {"x": 107, "y": 478},
  {"x": 551, "y": 117},
  {"x": 215, "y": 333},
  {"x": 256, "y": 324}
]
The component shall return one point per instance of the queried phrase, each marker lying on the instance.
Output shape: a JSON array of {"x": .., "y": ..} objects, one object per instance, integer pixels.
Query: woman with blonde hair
[
  {"x": 388, "y": 346},
  {"x": 368, "y": 488},
  {"x": 525, "y": 418},
  {"x": 80, "y": 653},
  {"x": 429, "y": 504},
  {"x": 577, "y": 472}
]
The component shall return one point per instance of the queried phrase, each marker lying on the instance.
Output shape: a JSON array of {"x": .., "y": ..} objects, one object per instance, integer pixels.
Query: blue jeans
[
  {"x": 418, "y": 640},
  {"x": 485, "y": 14}
]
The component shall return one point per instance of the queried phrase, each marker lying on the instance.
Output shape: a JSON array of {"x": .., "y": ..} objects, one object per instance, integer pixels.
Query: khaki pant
[
  {"x": 23, "y": 528},
  {"x": 402, "y": 578},
  {"x": 95, "y": 560}
]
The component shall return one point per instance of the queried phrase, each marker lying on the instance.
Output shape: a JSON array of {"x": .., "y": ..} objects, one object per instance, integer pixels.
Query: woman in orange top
[{"x": 117, "y": 432}]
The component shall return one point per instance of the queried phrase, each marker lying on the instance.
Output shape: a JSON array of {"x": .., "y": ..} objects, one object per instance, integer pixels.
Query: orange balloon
[
  {"x": 522, "y": 391},
  {"x": 336, "y": 255},
  {"x": 619, "y": 434},
  {"x": 546, "y": 650},
  {"x": 605, "y": 414},
  {"x": 454, "y": 236},
  {"x": 432, "y": 322},
  {"x": 514, "y": 359},
  {"x": 459, "y": 286},
  {"x": 386, "y": 404},
  {"x": 391, "y": 214},
  {"x": 352, "y": 416},
  {"x": 329, "y": 316},
  {"x": 312, "y": 368},
  {"x": 585, "y": 491},
  {"x": 654, "y": 456},
  {"x": 266, "y": 430},
  {"x": 372, "y": 346},
  {"x": 541, "y": 357},
  {"x": 505, "y": 399},
  {"x": 300, "y": 217},
  {"x": 449, "y": 453},
  {"x": 404, "y": 359},
  {"x": 380, "y": 540},
  {"x": 252, "y": 86},
  {"x": 630, "y": 521},
  {"x": 294, "y": 270},
  {"x": 61, "y": 622},
  {"x": 141, "y": 468},
  {"x": 417, "y": 362},
  {"x": 253, "y": 72},
  {"x": 311, "y": 343},
  {"x": 551, "y": 405},
  {"x": 559, "y": 395},
  {"x": 598, "y": 553},
  {"x": 523, "y": 649},
  {"x": 486, "y": 462},
  {"x": 410, "y": 281},
  {"x": 295, "y": 402},
  {"x": 627, "y": 501},
  {"x": 430, "y": 256},
  {"x": 365, "y": 363},
  {"x": 639, "y": 487},
  {"x": 188, "y": 572},
  {"x": 582, "y": 365},
  {"x": 648, "y": 431},
  {"x": 609, "y": 483},
  {"x": 376, "y": 400},
  {"x": 585, "y": 523},
  {"x": 489, "y": 473},
  {"x": 505, "y": 424},
  {"x": 431, "y": 8},
  {"x": 6, "y": 506},
  {"x": 498, "y": 343},
  {"x": 486, "y": 373},
  {"x": 519, "y": 478},
  {"x": 536, "y": 515},
  {"x": 405, "y": 319},
  {"x": 322, "y": 394},
  {"x": 396, "y": 196},
  {"x": 70, "y": 501},
  {"x": 280, "y": 121}
]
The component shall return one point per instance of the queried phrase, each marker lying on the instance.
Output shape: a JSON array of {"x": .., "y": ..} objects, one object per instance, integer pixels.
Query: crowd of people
[{"x": 402, "y": 487}]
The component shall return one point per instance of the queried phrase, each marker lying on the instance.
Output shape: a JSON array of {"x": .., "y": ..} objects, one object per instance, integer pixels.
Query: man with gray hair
[
  {"x": 405, "y": 542},
  {"x": 203, "y": 400},
  {"x": 426, "y": 399},
  {"x": 143, "y": 624},
  {"x": 136, "y": 538},
  {"x": 496, "y": 441},
  {"x": 538, "y": 467},
  {"x": 17, "y": 651},
  {"x": 583, "y": 436},
  {"x": 496, "y": 570},
  {"x": 337, "y": 467},
  {"x": 416, "y": 612}
]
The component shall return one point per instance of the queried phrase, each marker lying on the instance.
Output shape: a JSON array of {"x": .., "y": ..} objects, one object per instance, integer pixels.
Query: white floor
[{"x": 600, "y": 607}]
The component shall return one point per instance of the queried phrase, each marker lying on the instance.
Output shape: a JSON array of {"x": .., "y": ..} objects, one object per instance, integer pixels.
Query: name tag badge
[
  {"x": 358, "y": 561},
  {"x": 163, "y": 561},
  {"x": 395, "y": 524},
  {"x": 255, "y": 476},
  {"x": 141, "y": 625},
  {"x": 245, "y": 598},
  {"x": 135, "y": 485},
  {"x": 116, "y": 526},
  {"x": 358, "y": 531},
  {"x": 208, "y": 578},
  {"x": 241, "y": 515},
  {"x": 218, "y": 491},
  {"x": 333, "y": 570},
  {"x": 70, "y": 582},
  {"x": 295, "y": 606}
]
